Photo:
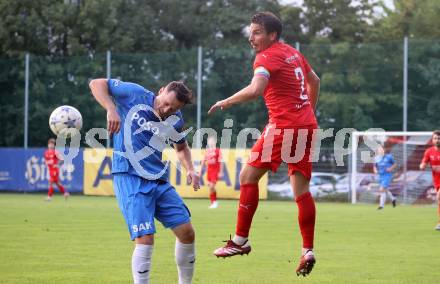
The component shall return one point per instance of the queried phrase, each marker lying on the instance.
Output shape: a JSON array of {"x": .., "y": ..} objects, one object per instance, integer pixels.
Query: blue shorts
[
  {"x": 142, "y": 200},
  {"x": 385, "y": 180}
]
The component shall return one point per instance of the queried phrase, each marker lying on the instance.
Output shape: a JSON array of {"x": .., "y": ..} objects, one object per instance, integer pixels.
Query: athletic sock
[
  {"x": 61, "y": 188},
  {"x": 392, "y": 197},
  {"x": 185, "y": 260},
  {"x": 50, "y": 192},
  {"x": 213, "y": 197},
  {"x": 306, "y": 218},
  {"x": 141, "y": 263},
  {"x": 382, "y": 199},
  {"x": 246, "y": 208},
  {"x": 239, "y": 240}
]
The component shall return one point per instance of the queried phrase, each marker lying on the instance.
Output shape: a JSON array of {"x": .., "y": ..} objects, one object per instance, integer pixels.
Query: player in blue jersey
[
  {"x": 384, "y": 166},
  {"x": 143, "y": 125}
]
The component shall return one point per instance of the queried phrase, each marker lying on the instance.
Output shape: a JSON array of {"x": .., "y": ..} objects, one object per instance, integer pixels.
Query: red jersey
[
  {"x": 432, "y": 156},
  {"x": 51, "y": 159},
  {"x": 213, "y": 159},
  {"x": 286, "y": 94}
]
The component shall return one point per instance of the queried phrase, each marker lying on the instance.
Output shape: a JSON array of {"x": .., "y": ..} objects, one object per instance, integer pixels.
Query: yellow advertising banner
[{"x": 98, "y": 180}]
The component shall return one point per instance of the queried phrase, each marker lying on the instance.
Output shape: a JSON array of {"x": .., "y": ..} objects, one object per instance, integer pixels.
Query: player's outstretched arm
[
  {"x": 313, "y": 85},
  {"x": 184, "y": 154},
  {"x": 251, "y": 92},
  {"x": 100, "y": 91}
]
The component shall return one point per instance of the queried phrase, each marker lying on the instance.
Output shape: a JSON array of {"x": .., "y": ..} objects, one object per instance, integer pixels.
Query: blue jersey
[
  {"x": 383, "y": 163},
  {"x": 138, "y": 146}
]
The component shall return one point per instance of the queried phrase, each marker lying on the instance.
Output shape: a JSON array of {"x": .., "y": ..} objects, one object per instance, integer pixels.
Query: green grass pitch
[{"x": 85, "y": 240}]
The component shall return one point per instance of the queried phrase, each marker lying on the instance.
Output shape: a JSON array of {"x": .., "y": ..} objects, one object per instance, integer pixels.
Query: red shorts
[
  {"x": 212, "y": 176},
  {"x": 282, "y": 145},
  {"x": 53, "y": 174}
]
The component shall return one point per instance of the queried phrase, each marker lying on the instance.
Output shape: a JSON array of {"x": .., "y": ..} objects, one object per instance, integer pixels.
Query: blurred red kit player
[
  {"x": 214, "y": 169},
  {"x": 290, "y": 88},
  {"x": 432, "y": 157},
  {"x": 52, "y": 162}
]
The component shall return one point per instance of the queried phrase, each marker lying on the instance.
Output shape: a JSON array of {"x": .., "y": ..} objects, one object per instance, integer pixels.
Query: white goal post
[{"x": 409, "y": 184}]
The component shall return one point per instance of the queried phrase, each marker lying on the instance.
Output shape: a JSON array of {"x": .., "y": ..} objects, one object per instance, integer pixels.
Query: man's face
[
  {"x": 167, "y": 103},
  {"x": 436, "y": 140},
  {"x": 51, "y": 145},
  {"x": 259, "y": 38}
]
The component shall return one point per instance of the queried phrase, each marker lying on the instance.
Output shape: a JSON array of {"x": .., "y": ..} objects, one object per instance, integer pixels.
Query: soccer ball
[{"x": 65, "y": 121}]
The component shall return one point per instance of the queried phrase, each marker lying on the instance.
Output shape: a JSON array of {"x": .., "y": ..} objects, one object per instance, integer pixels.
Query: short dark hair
[
  {"x": 183, "y": 93},
  {"x": 51, "y": 140},
  {"x": 269, "y": 21},
  {"x": 436, "y": 132}
]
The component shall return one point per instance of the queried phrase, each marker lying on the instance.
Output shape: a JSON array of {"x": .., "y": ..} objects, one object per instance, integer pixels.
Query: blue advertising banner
[{"x": 25, "y": 170}]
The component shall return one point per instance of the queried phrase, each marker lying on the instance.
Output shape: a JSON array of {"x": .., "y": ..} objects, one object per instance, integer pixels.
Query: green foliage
[{"x": 356, "y": 52}]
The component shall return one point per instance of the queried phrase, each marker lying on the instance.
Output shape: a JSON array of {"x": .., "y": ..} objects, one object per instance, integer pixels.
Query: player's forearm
[
  {"x": 422, "y": 166},
  {"x": 244, "y": 95},
  {"x": 313, "y": 86},
  {"x": 254, "y": 90},
  {"x": 184, "y": 156},
  {"x": 100, "y": 91}
]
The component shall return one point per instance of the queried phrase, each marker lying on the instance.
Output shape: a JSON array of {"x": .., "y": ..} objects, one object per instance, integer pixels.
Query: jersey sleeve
[
  {"x": 426, "y": 159},
  {"x": 265, "y": 65},
  {"x": 120, "y": 90}
]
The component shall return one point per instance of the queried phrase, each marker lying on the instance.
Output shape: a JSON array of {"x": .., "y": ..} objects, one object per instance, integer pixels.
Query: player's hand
[
  {"x": 113, "y": 121},
  {"x": 219, "y": 105},
  {"x": 194, "y": 178}
]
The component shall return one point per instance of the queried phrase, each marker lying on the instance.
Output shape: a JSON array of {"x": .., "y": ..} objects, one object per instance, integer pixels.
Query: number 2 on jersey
[{"x": 300, "y": 76}]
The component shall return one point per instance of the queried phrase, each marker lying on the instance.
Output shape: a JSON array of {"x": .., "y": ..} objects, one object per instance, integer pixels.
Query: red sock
[
  {"x": 50, "y": 192},
  {"x": 61, "y": 188},
  {"x": 246, "y": 209},
  {"x": 213, "y": 196},
  {"x": 306, "y": 218}
]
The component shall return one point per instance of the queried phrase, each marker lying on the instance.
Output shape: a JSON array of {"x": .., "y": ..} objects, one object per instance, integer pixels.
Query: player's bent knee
[
  {"x": 145, "y": 240},
  {"x": 251, "y": 175},
  {"x": 185, "y": 233}
]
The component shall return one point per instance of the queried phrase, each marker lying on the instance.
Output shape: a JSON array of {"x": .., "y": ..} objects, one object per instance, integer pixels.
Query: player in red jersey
[
  {"x": 214, "y": 169},
  {"x": 432, "y": 157},
  {"x": 52, "y": 162},
  {"x": 290, "y": 90}
]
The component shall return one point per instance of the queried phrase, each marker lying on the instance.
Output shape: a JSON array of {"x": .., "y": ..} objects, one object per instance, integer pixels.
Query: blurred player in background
[
  {"x": 290, "y": 89},
  {"x": 384, "y": 165},
  {"x": 214, "y": 169},
  {"x": 432, "y": 157},
  {"x": 52, "y": 162},
  {"x": 143, "y": 193}
]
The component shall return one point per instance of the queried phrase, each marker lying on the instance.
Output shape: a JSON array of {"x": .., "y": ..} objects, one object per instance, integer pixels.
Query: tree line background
[{"x": 354, "y": 46}]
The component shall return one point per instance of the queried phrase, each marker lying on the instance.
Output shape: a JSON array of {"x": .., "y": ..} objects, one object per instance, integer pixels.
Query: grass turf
[{"x": 85, "y": 240}]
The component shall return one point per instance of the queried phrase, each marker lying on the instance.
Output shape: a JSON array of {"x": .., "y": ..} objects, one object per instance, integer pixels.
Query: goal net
[{"x": 409, "y": 184}]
